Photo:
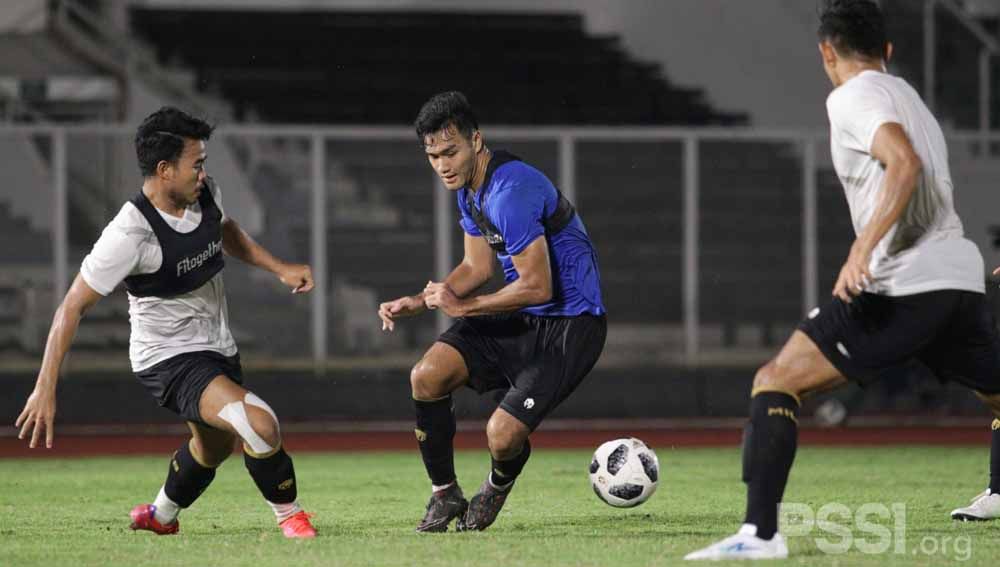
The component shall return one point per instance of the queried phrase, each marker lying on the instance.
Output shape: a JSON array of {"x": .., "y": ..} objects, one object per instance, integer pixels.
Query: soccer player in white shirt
[
  {"x": 166, "y": 245},
  {"x": 912, "y": 286}
]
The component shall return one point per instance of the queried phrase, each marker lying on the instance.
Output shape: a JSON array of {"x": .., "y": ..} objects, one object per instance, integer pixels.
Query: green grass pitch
[{"x": 74, "y": 512}]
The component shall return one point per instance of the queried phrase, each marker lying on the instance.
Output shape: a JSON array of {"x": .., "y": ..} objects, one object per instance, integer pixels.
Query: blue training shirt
[{"x": 515, "y": 199}]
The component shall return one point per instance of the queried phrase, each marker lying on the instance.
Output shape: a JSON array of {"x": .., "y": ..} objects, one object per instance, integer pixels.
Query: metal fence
[{"x": 709, "y": 239}]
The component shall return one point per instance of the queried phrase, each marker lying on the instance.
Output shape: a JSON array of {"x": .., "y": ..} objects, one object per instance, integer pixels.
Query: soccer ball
[{"x": 624, "y": 472}]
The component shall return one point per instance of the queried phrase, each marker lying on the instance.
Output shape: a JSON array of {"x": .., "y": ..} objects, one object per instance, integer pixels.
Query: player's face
[
  {"x": 452, "y": 155},
  {"x": 189, "y": 173}
]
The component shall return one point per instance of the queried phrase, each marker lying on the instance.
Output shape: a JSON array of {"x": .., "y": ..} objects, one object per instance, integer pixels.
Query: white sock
[
  {"x": 166, "y": 509},
  {"x": 435, "y": 488},
  {"x": 504, "y": 488},
  {"x": 284, "y": 511}
]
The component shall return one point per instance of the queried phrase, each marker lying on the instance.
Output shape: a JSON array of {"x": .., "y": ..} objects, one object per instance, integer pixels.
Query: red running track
[{"x": 99, "y": 445}]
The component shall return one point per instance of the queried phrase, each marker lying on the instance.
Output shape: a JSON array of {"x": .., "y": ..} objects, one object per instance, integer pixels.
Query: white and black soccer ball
[{"x": 624, "y": 472}]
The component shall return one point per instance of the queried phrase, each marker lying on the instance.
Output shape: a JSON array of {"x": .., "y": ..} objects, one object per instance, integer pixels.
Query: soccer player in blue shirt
[{"x": 536, "y": 338}]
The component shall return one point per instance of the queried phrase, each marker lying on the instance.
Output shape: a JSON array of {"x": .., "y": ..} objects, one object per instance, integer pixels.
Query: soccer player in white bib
[
  {"x": 166, "y": 245},
  {"x": 912, "y": 286}
]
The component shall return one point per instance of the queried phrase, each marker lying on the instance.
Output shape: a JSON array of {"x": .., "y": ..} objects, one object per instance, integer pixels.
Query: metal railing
[
  {"x": 567, "y": 140},
  {"x": 990, "y": 48}
]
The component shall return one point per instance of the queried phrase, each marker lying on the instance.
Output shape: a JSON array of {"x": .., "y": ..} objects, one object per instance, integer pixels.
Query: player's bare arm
[
  {"x": 475, "y": 270},
  {"x": 532, "y": 287},
  {"x": 892, "y": 148},
  {"x": 238, "y": 244},
  {"x": 39, "y": 411}
]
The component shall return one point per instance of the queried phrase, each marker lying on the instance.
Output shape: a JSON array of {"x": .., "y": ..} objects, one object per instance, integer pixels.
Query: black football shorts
[
  {"x": 538, "y": 360},
  {"x": 178, "y": 382},
  {"x": 951, "y": 331}
]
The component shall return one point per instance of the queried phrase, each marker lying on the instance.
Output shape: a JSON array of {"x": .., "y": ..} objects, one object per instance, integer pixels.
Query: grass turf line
[{"x": 75, "y": 511}]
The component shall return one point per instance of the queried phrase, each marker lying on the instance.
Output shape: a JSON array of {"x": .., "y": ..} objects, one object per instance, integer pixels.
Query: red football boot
[
  {"x": 298, "y": 526},
  {"x": 143, "y": 519}
]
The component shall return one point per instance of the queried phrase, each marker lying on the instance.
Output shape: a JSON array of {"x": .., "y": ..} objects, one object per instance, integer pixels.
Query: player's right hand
[
  {"x": 38, "y": 414},
  {"x": 854, "y": 276},
  {"x": 407, "y": 306}
]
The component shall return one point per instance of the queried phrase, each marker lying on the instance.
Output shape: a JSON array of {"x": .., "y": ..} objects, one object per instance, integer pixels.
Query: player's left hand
[
  {"x": 440, "y": 296},
  {"x": 854, "y": 276},
  {"x": 296, "y": 276}
]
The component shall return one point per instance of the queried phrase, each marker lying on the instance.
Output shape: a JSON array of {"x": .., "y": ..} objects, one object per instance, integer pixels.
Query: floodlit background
[{"x": 691, "y": 134}]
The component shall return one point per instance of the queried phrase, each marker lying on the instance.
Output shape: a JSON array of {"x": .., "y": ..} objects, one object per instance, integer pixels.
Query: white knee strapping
[
  {"x": 253, "y": 400},
  {"x": 236, "y": 414}
]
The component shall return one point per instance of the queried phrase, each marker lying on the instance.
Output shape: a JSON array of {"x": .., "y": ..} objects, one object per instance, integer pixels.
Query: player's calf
[
  {"x": 986, "y": 505},
  {"x": 274, "y": 475},
  {"x": 993, "y": 401},
  {"x": 187, "y": 479},
  {"x": 509, "y": 448},
  {"x": 269, "y": 465},
  {"x": 439, "y": 372},
  {"x": 485, "y": 506},
  {"x": 435, "y": 433}
]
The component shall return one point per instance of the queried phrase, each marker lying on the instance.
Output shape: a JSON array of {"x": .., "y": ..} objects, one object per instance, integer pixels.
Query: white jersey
[
  {"x": 161, "y": 327},
  {"x": 926, "y": 249}
]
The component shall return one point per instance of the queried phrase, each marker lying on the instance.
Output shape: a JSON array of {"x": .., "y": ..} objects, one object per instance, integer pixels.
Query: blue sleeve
[
  {"x": 517, "y": 214},
  {"x": 468, "y": 225}
]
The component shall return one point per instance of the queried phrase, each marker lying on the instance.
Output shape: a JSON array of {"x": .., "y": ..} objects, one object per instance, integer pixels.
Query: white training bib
[{"x": 161, "y": 327}]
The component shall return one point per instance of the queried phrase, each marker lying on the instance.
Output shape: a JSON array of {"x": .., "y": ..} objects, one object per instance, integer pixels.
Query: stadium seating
[
  {"x": 375, "y": 68},
  {"x": 956, "y": 57},
  {"x": 22, "y": 243},
  {"x": 370, "y": 67}
]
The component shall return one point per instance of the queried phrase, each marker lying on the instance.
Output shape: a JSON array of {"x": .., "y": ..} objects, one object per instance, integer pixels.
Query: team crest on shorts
[{"x": 529, "y": 403}]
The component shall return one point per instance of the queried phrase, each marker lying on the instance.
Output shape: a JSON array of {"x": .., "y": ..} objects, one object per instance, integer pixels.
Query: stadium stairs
[{"x": 956, "y": 61}]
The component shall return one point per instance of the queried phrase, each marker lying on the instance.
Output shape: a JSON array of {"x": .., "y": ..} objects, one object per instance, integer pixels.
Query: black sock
[
  {"x": 274, "y": 475},
  {"x": 995, "y": 459},
  {"x": 186, "y": 479},
  {"x": 504, "y": 472},
  {"x": 769, "y": 442},
  {"x": 435, "y": 433}
]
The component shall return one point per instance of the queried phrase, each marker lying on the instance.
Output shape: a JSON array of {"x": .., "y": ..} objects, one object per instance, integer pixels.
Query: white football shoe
[
  {"x": 744, "y": 545},
  {"x": 985, "y": 506}
]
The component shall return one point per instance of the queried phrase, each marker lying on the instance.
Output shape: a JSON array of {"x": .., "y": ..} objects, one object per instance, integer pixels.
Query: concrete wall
[
  {"x": 22, "y": 16},
  {"x": 26, "y": 186}
]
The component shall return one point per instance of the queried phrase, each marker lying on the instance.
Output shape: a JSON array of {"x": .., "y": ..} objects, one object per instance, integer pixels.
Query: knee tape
[
  {"x": 236, "y": 414},
  {"x": 253, "y": 400}
]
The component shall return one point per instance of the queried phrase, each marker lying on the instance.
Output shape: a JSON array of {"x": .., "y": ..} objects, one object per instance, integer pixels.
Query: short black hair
[
  {"x": 161, "y": 136},
  {"x": 442, "y": 110},
  {"x": 854, "y": 27}
]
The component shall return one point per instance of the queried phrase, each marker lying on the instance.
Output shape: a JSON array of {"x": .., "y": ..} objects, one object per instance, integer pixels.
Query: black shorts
[
  {"x": 538, "y": 360},
  {"x": 952, "y": 332},
  {"x": 178, "y": 382}
]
